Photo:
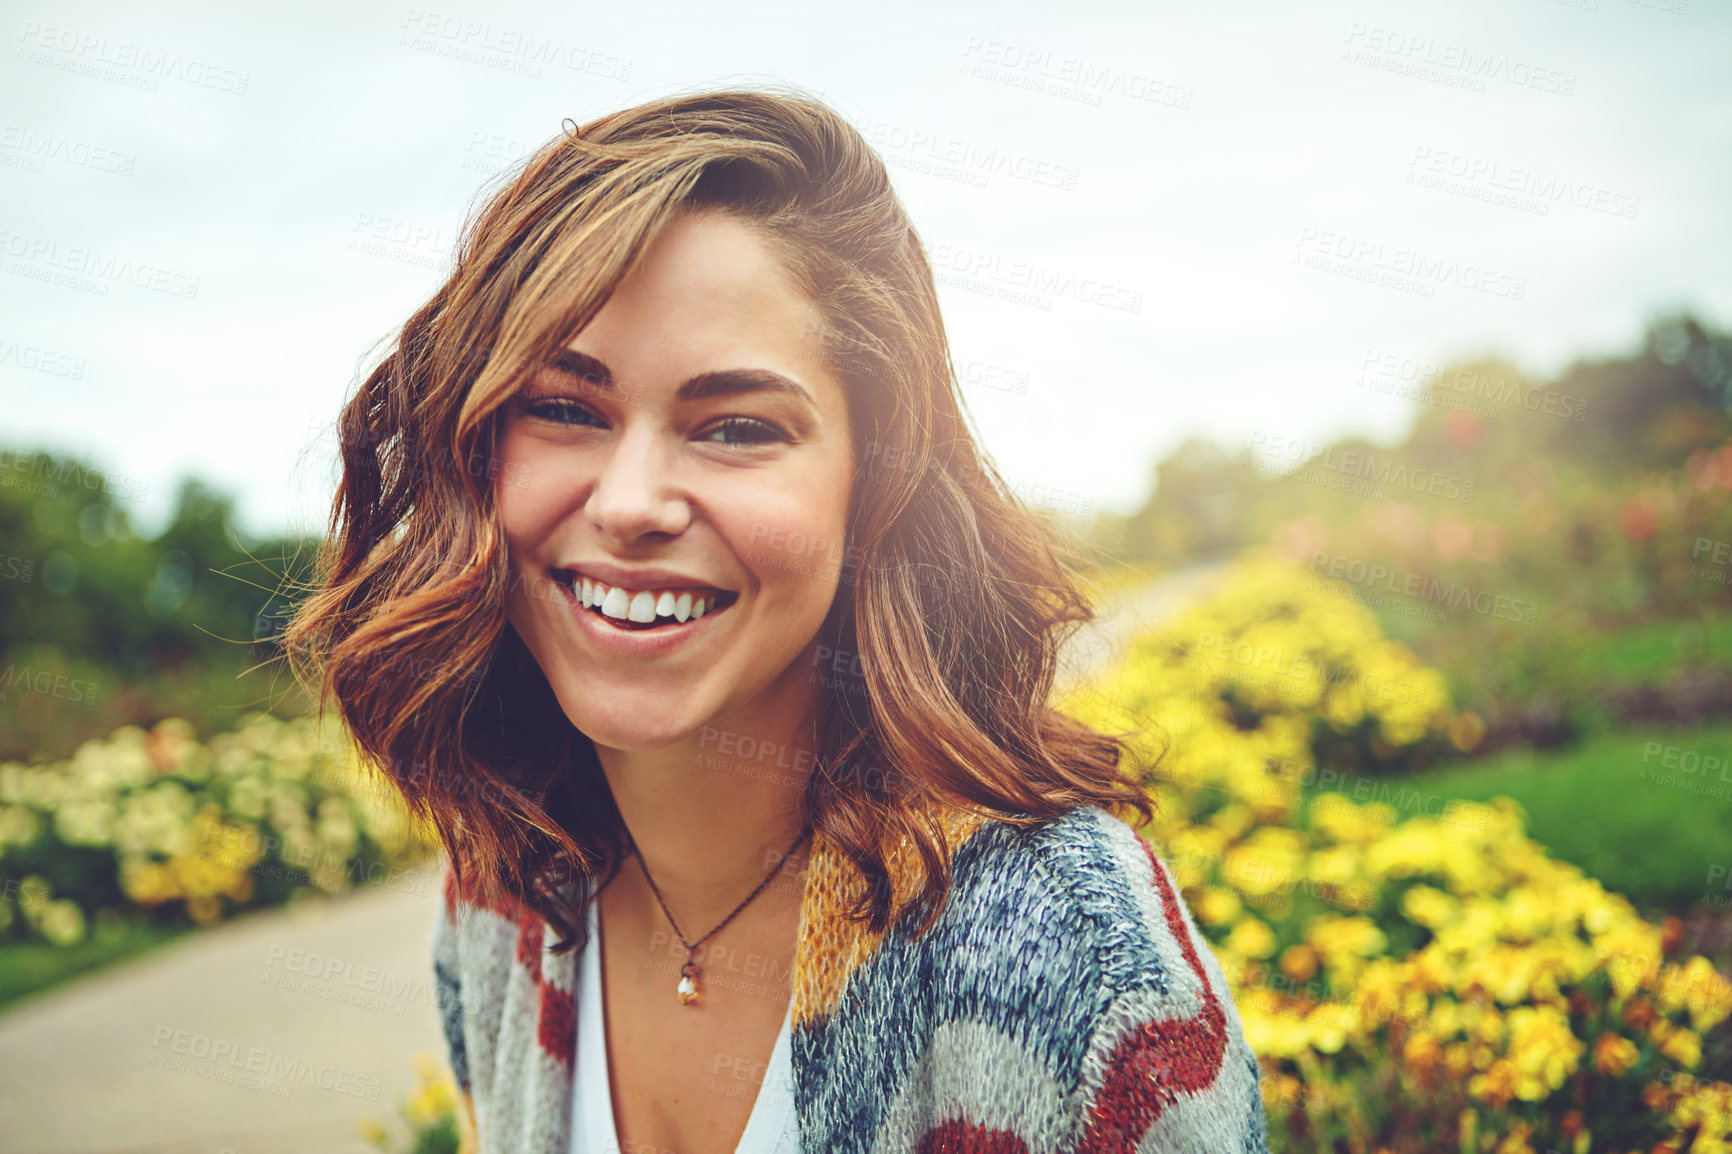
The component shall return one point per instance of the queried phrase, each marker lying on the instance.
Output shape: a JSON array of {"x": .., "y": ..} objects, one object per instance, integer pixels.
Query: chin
[{"x": 637, "y": 721}]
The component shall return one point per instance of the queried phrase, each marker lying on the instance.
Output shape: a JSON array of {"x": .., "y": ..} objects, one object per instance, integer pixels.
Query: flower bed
[
  {"x": 1414, "y": 973},
  {"x": 157, "y": 826}
]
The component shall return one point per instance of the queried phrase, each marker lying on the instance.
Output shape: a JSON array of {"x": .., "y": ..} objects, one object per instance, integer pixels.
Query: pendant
[{"x": 688, "y": 987}]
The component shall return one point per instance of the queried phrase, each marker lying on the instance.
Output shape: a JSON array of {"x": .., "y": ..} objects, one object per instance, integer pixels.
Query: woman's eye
[
  {"x": 563, "y": 410},
  {"x": 743, "y": 431}
]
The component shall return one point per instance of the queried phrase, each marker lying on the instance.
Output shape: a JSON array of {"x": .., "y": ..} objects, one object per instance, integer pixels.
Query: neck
[{"x": 713, "y": 815}]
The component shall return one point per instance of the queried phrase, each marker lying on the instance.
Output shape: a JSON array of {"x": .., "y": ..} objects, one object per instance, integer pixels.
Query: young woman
[{"x": 761, "y": 834}]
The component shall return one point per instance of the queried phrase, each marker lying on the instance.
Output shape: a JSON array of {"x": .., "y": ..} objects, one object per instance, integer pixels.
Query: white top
[{"x": 772, "y": 1128}]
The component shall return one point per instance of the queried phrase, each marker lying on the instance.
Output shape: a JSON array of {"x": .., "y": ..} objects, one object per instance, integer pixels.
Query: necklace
[{"x": 690, "y": 972}]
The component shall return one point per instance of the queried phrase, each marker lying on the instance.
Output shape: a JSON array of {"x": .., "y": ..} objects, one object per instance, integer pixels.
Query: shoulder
[
  {"x": 474, "y": 944},
  {"x": 491, "y": 964},
  {"x": 1091, "y": 882},
  {"x": 1051, "y": 923},
  {"x": 472, "y": 933}
]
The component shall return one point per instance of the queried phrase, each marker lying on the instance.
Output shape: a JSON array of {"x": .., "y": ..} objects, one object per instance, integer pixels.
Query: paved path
[
  {"x": 1122, "y": 617},
  {"x": 335, "y": 998}
]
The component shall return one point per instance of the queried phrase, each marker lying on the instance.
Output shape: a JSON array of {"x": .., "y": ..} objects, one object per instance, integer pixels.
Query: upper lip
[{"x": 647, "y": 577}]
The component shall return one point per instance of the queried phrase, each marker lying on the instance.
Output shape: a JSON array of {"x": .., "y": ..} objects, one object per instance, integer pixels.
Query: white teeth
[{"x": 643, "y": 606}]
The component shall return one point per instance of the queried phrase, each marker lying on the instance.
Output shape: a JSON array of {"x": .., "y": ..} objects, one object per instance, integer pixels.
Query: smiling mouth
[{"x": 640, "y": 610}]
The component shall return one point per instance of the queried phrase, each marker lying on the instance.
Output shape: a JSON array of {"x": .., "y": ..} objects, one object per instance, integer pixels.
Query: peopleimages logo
[
  {"x": 1353, "y": 463},
  {"x": 46, "y": 683},
  {"x": 1448, "y": 593},
  {"x": 1494, "y": 176},
  {"x": 90, "y": 269},
  {"x": 1413, "y": 266},
  {"x": 974, "y": 159},
  {"x": 506, "y": 49},
  {"x": 1423, "y": 55},
  {"x": 1034, "y": 278},
  {"x": 84, "y": 53}
]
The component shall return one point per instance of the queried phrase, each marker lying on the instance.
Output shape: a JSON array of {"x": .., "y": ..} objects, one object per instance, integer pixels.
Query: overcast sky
[{"x": 1226, "y": 209}]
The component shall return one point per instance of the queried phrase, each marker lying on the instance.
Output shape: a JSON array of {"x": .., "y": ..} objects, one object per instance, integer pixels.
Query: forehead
[{"x": 710, "y": 277}]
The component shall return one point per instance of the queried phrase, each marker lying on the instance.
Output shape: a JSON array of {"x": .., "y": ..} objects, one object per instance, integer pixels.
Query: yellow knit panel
[
  {"x": 831, "y": 946},
  {"x": 468, "y": 1141}
]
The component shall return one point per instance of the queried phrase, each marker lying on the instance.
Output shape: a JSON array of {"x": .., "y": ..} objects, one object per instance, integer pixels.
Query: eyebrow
[{"x": 704, "y": 386}]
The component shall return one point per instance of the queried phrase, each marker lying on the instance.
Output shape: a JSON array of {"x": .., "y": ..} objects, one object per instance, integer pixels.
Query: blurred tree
[
  {"x": 1198, "y": 508},
  {"x": 1483, "y": 421},
  {"x": 1645, "y": 411},
  {"x": 159, "y": 626}
]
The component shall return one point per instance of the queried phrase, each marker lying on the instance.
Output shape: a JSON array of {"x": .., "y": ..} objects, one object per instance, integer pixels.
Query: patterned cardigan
[{"x": 1063, "y": 1001}]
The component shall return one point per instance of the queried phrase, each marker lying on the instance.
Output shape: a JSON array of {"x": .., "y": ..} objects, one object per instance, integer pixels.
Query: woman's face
[{"x": 687, "y": 448}]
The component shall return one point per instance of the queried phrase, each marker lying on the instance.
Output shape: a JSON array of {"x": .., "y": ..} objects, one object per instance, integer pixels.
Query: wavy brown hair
[{"x": 958, "y": 597}]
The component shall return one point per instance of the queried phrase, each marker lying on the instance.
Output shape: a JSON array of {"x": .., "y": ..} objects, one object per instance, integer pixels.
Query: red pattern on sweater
[
  {"x": 506, "y": 907},
  {"x": 529, "y": 943},
  {"x": 1149, "y": 1069},
  {"x": 557, "y": 1028},
  {"x": 960, "y": 1138},
  {"x": 1158, "y": 1060},
  {"x": 556, "y": 1023}
]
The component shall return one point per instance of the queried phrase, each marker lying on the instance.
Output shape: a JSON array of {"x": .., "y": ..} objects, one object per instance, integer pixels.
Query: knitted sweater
[{"x": 1063, "y": 1001}]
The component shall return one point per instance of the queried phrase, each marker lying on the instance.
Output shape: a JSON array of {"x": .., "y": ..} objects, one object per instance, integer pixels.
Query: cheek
[
  {"x": 527, "y": 514},
  {"x": 796, "y": 540},
  {"x": 532, "y": 495}
]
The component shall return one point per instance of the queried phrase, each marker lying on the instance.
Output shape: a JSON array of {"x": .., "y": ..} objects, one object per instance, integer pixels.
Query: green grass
[
  {"x": 30, "y": 968},
  {"x": 1649, "y": 654},
  {"x": 1599, "y": 806}
]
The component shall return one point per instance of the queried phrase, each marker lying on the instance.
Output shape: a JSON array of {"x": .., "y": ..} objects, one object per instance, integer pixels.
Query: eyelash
[{"x": 770, "y": 431}]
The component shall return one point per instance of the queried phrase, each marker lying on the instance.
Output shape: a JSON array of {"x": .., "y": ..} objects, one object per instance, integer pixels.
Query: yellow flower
[
  {"x": 149, "y": 883},
  {"x": 1543, "y": 1049},
  {"x": 1251, "y": 938},
  {"x": 1277, "y": 1035},
  {"x": 1421, "y": 1052},
  {"x": 1269, "y": 861},
  {"x": 1700, "y": 987},
  {"x": 1444, "y": 1018},
  {"x": 1613, "y": 1054},
  {"x": 1516, "y": 1141},
  {"x": 1632, "y": 953},
  {"x": 1336, "y": 818},
  {"x": 1484, "y": 1022},
  {"x": 1281, "y": 1090},
  {"x": 62, "y": 923},
  {"x": 1705, "y": 1107},
  {"x": 1234, "y": 819},
  {"x": 1329, "y": 1023},
  {"x": 1217, "y": 906},
  {"x": 1683, "y": 1046},
  {"x": 1426, "y": 906},
  {"x": 1497, "y": 1085},
  {"x": 1345, "y": 943},
  {"x": 1299, "y": 962}
]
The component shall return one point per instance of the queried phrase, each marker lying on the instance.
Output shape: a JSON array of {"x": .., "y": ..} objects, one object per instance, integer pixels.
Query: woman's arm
[
  {"x": 448, "y": 991},
  {"x": 1169, "y": 1061}
]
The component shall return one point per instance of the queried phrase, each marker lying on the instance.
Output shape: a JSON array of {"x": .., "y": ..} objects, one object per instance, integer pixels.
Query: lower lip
[{"x": 637, "y": 642}]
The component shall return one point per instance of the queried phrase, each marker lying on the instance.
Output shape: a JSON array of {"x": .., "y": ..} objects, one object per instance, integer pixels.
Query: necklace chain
[{"x": 689, "y": 973}]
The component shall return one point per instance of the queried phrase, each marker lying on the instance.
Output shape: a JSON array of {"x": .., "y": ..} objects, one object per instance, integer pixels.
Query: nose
[{"x": 635, "y": 494}]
